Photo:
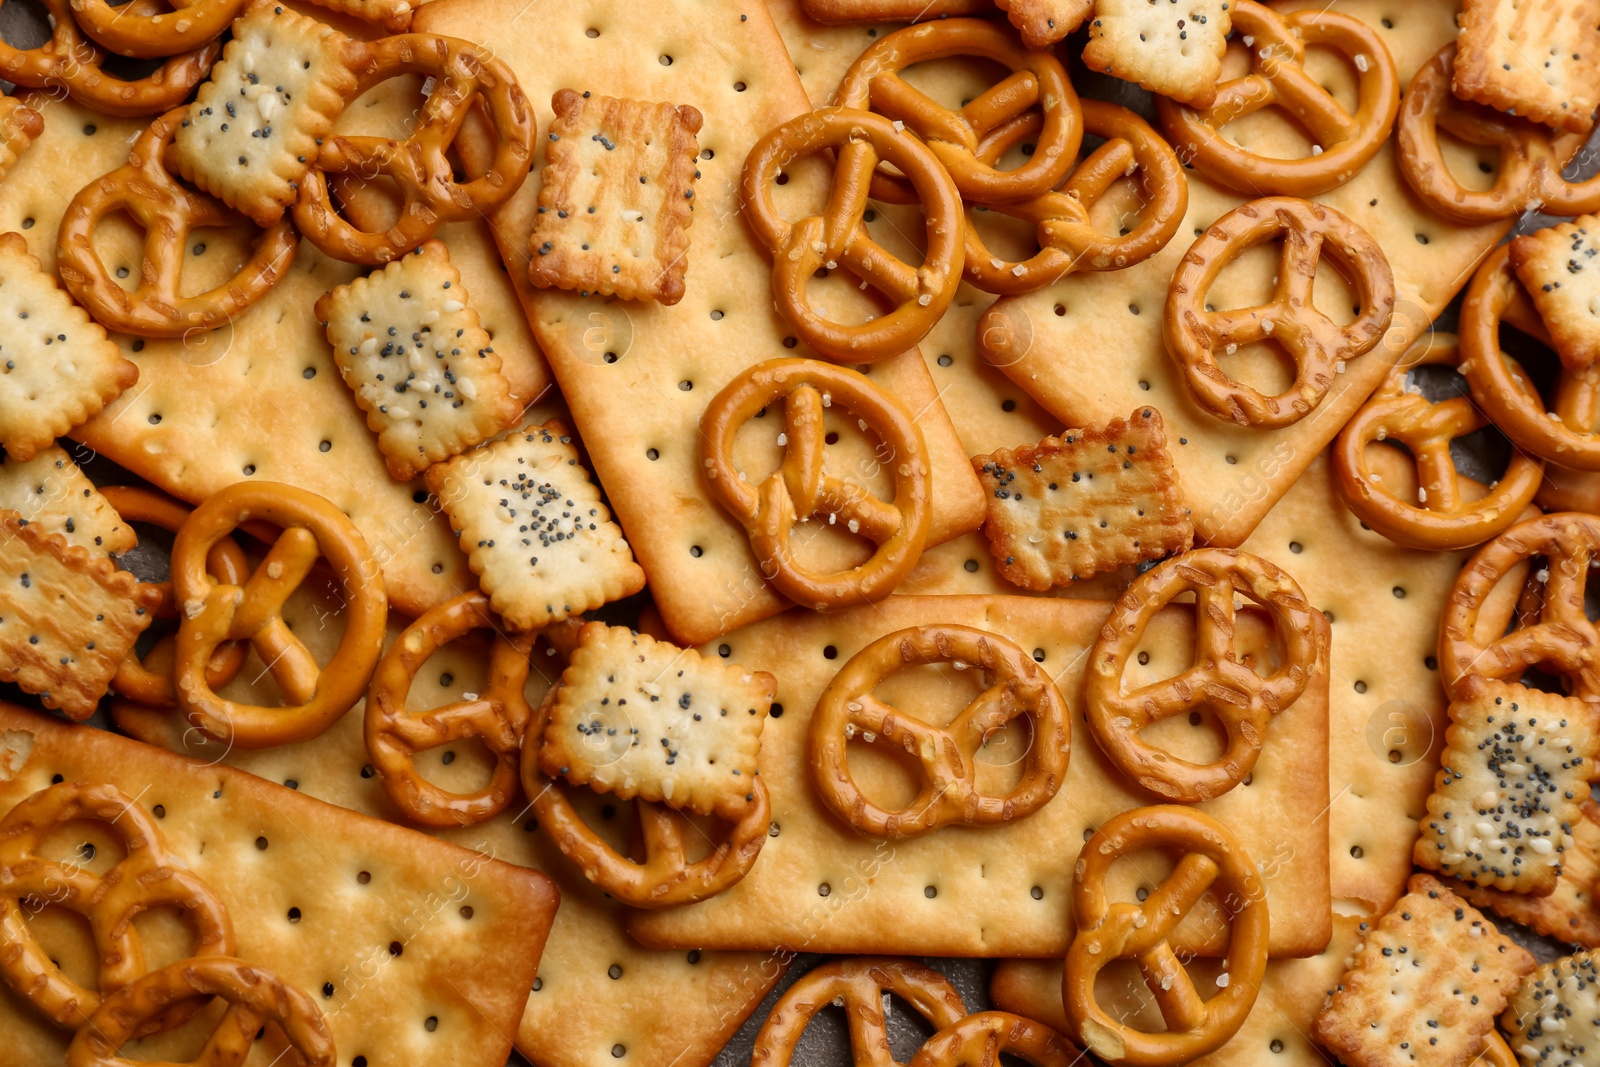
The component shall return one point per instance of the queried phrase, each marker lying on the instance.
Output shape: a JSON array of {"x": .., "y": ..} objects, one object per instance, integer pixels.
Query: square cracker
[
  {"x": 1171, "y": 47},
  {"x": 19, "y": 126},
  {"x": 1558, "y": 267},
  {"x": 1044, "y": 22},
  {"x": 409, "y": 345},
  {"x": 469, "y": 928},
  {"x": 1568, "y": 914},
  {"x": 617, "y": 197},
  {"x": 1554, "y": 1020},
  {"x": 50, "y": 492},
  {"x": 997, "y": 890},
  {"x": 260, "y": 397},
  {"x": 1534, "y": 58},
  {"x": 638, "y": 377},
  {"x": 1425, "y": 985}
]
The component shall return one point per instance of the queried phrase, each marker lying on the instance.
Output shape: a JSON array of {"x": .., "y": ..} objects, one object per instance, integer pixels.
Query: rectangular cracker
[
  {"x": 1534, "y": 58},
  {"x": 1044, "y": 22},
  {"x": 1568, "y": 914},
  {"x": 639, "y": 376},
  {"x": 19, "y": 126},
  {"x": 1557, "y": 266},
  {"x": 616, "y": 198},
  {"x": 1554, "y": 1019},
  {"x": 1425, "y": 985},
  {"x": 998, "y": 890},
  {"x": 469, "y": 927},
  {"x": 49, "y": 491},
  {"x": 1173, "y": 48}
]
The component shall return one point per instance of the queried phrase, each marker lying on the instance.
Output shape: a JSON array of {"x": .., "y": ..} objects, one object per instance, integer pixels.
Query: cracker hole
[
  {"x": 155, "y": 420},
  {"x": 665, "y": 60},
  {"x": 716, "y": 316},
  {"x": 790, "y": 342},
  {"x": 538, "y": 984},
  {"x": 945, "y": 361},
  {"x": 686, "y": 385},
  {"x": 739, "y": 87},
  {"x": 1356, "y": 852},
  {"x": 1134, "y": 308},
  {"x": 1276, "y": 1045},
  {"x": 1037, "y": 892},
  {"x": 1088, "y": 832},
  {"x": 249, "y": 469},
  {"x": 1142, "y": 893},
  {"x": 614, "y": 971},
  {"x": 724, "y": 651},
  {"x": 1038, "y": 655},
  {"x": 160, "y": 810},
  {"x": 776, "y": 711},
  {"x": 1296, "y": 547},
  {"x": 396, "y": 948},
  {"x": 138, "y": 346},
  {"x": 696, "y": 551},
  {"x": 706, "y": 153},
  {"x": 1144, "y": 657},
  {"x": 327, "y": 990},
  {"x": 1144, "y": 385},
  {"x": 294, "y": 915},
  {"x": 591, "y": 32},
  {"x": 1430, "y": 662},
  {"x": 1061, "y": 309},
  {"x": 652, "y": 454},
  {"x": 367, "y": 771},
  {"x": 830, "y": 652},
  {"x": 824, "y": 889},
  {"x": 364, "y": 877},
  {"x": 1231, "y": 458},
  {"x": 56, "y": 779},
  {"x": 1361, "y": 687},
  {"x": 781, "y": 179},
  {"x": 1008, "y": 405},
  {"x": 359, "y": 1061},
  {"x": 431, "y": 1023},
  {"x": 324, "y": 446},
  {"x": 1399, "y": 592},
  {"x": 1422, "y": 238},
  {"x": 619, "y": 1051},
  {"x": 930, "y": 891},
  {"x": 466, "y": 911},
  {"x": 693, "y": 957},
  {"x": 27, "y": 224},
  {"x": 971, "y": 566},
  {"x": 261, "y": 844}
]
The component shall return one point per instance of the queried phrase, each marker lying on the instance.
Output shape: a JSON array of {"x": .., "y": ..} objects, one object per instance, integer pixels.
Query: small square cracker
[
  {"x": 1536, "y": 58},
  {"x": 50, "y": 492},
  {"x": 1044, "y": 22},
  {"x": 616, "y": 224},
  {"x": 1558, "y": 267},
  {"x": 1568, "y": 914},
  {"x": 1431, "y": 976},
  {"x": 1554, "y": 1019},
  {"x": 657, "y": 722},
  {"x": 1171, "y": 47}
]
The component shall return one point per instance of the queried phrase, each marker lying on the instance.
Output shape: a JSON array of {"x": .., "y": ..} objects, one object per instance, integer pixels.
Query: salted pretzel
[
  {"x": 946, "y": 755},
  {"x": 214, "y": 612},
  {"x": 1551, "y": 632},
  {"x": 859, "y": 984},
  {"x": 1531, "y": 157},
  {"x": 147, "y": 877},
  {"x": 1441, "y": 519},
  {"x": 1496, "y": 1053},
  {"x": 979, "y": 1039},
  {"x": 802, "y": 489},
  {"x": 167, "y": 210},
  {"x": 497, "y": 717},
  {"x": 163, "y": 31},
  {"x": 1036, "y": 87},
  {"x": 1067, "y": 238},
  {"x": 1212, "y": 859},
  {"x": 464, "y": 76},
  {"x": 1243, "y": 700},
  {"x": 255, "y": 996},
  {"x": 1567, "y": 435},
  {"x": 1319, "y": 346},
  {"x": 839, "y": 238},
  {"x": 70, "y": 61}
]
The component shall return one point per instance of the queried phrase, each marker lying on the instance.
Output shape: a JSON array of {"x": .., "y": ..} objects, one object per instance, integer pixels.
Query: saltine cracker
[{"x": 51, "y": 491}]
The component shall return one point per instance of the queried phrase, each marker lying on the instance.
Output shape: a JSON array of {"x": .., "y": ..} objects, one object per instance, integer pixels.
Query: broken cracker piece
[
  {"x": 1044, "y": 22},
  {"x": 1554, "y": 1020},
  {"x": 411, "y": 349},
  {"x": 1539, "y": 59},
  {"x": 19, "y": 127},
  {"x": 1560, "y": 268},
  {"x": 533, "y": 527},
  {"x": 1084, "y": 502},
  {"x": 1173, "y": 48},
  {"x": 50, "y": 492},
  {"x": 1425, "y": 986},
  {"x": 617, "y": 198},
  {"x": 637, "y": 717}
]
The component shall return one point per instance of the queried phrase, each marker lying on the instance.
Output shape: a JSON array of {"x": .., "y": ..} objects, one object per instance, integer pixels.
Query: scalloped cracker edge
[
  {"x": 51, "y": 492},
  {"x": 1539, "y": 59}
]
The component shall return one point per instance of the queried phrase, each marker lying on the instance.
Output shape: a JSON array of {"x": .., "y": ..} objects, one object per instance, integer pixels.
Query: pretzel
[
  {"x": 979, "y": 1039},
  {"x": 157, "y": 31},
  {"x": 498, "y": 717},
  {"x": 1113, "y": 931},
  {"x": 1243, "y": 701},
  {"x": 72, "y": 62},
  {"x": 147, "y": 877},
  {"x": 1551, "y": 631},
  {"x": 1531, "y": 159},
  {"x": 1442, "y": 519},
  {"x": 1319, "y": 346},
  {"x": 858, "y": 984},
  {"x": 168, "y": 211},
  {"x": 216, "y": 612},
  {"x": 255, "y": 996},
  {"x": 920, "y": 295},
  {"x": 947, "y": 755},
  {"x": 801, "y": 488},
  {"x": 464, "y": 76},
  {"x": 1567, "y": 435},
  {"x": 961, "y": 139}
]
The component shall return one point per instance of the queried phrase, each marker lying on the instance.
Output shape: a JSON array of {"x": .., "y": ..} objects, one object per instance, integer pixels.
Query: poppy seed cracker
[
  {"x": 1560, "y": 268},
  {"x": 50, "y": 492},
  {"x": 1044, "y": 22},
  {"x": 1554, "y": 1020},
  {"x": 1567, "y": 914},
  {"x": 1539, "y": 59},
  {"x": 1173, "y": 48}
]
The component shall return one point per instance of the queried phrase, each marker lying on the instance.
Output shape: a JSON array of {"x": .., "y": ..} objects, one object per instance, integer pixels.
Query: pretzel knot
[
  {"x": 1035, "y": 94},
  {"x": 1442, "y": 519},
  {"x": 215, "y": 612},
  {"x": 1219, "y": 680},
  {"x": 1212, "y": 860},
  {"x": 1344, "y": 142},
  {"x": 154, "y": 30},
  {"x": 802, "y": 489},
  {"x": 979, "y": 1039},
  {"x": 255, "y": 996},
  {"x": 1531, "y": 159},
  {"x": 1319, "y": 346},
  {"x": 465, "y": 77},
  {"x": 861, "y": 985},
  {"x": 1552, "y": 631},
  {"x": 497, "y": 718},
  {"x": 946, "y": 756},
  {"x": 839, "y": 238},
  {"x": 147, "y": 877}
]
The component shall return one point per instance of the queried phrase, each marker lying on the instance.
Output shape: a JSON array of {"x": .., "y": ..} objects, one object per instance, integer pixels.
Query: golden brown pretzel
[
  {"x": 1278, "y": 78},
  {"x": 1319, "y": 346},
  {"x": 802, "y": 488},
  {"x": 1243, "y": 701},
  {"x": 959, "y": 138},
  {"x": 146, "y": 34},
  {"x": 465, "y": 76},
  {"x": 147, "y": 877},
  {"x": 315, "y": 697},
  {"x": 255, "y": 996},
  {"x": 839, "y": 238},
  {"x": 946, "y": 755},
  {"x": 167, "y": 210},
  {"x": 497, "y": 717},
  {"x": 859, "y": 984},
  {"x": 979, "y": 1039},
  {"x": 1531, "y": 157},
  {"x": 1212, "y": 859},
  {"x": 1441, "y": 519},
  {"x": 1552, "y": 630},
  {"x": 1068, "y": 240},
  {"x": 1496, "y": 1053}
]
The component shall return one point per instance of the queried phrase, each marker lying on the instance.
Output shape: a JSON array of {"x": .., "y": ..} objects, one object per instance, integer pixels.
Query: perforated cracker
[
  {"x": 1044, "y": 22},
  {"x": 1534, "y": 58},
  {"x": 1171, "y": 47},
  {"x": 617, "y": 197},
  {"x": 1560, "y": 269},
  {"x": 1554, "y": 1020},
  {"x": 409, "y": 345},
  {"x": 19, "y": 126},
  {"x": 49, "y": 491},
  {"x": 1568, "y": 914}
]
